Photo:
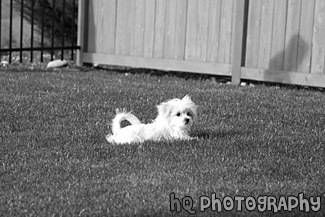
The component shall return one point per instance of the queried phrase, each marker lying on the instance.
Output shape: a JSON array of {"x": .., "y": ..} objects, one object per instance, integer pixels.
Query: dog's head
[{"x": 178, "y": 113}]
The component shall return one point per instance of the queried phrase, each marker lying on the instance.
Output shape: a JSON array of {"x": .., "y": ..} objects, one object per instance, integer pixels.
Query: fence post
[
  {"x": 81, "y": 31},
  {"x": 238, "y": 38}
]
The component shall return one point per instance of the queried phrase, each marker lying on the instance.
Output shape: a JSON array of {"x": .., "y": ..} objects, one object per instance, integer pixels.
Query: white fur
[{"x": 174, "y": 121}]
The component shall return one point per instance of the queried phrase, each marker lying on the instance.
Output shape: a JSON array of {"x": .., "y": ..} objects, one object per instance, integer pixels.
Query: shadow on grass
[{"x": 216, "y": 134}]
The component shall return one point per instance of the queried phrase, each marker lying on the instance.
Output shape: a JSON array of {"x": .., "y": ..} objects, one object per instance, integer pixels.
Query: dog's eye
[{"x": 178, "y": 114}]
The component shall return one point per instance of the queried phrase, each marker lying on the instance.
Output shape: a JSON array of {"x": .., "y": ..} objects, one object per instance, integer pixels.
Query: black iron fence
[{"x": 53, "y": 22}]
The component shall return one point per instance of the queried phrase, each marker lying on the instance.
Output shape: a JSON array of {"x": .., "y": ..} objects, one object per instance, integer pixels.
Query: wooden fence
[{"x": 268, "y": 40}]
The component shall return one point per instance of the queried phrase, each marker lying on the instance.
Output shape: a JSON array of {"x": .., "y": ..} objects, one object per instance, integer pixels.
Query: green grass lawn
[{"x": 54, "y": 160}]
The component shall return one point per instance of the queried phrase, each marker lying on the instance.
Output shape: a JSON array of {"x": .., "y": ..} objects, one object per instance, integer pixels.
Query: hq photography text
[{"x": 240, "y": 203}]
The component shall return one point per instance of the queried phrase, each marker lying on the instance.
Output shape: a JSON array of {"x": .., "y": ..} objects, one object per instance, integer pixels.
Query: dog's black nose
[{"x": 187, "y": 120}]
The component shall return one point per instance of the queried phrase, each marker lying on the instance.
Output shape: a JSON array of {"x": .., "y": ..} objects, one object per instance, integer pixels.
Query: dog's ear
[
  {"x": 190, "y": 104},
  {"x": 186, "y": 97},
  {"x": 164, "y": 109},
  {"x": 194, "y": 113}
]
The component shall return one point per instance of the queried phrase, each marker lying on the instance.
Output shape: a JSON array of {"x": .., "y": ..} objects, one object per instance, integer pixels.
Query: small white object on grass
[
  {"x": 4, "y": 63},
  {"x": 57, "y": 64},
  {"x": 243, "y": 84}
]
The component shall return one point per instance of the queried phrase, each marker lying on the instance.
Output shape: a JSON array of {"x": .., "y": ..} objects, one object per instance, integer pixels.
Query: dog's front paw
[
  {"x": 190, "y": 138},
  {"x": 194, "y": 138},
  {"x": 109, "y": 138}
]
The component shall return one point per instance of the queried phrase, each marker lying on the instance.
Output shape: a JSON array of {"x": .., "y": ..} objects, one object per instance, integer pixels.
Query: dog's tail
[{"x": 121, "y": 116}]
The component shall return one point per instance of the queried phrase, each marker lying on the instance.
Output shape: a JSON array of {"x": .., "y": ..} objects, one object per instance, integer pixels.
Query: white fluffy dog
[{"x": 174, "y": 121}]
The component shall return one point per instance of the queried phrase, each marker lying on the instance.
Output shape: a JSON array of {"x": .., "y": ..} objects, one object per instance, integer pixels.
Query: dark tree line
[{"x": 54, "y": 17}]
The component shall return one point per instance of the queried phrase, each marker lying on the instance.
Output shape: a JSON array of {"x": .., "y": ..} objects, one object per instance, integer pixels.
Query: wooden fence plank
[
  {"x": 292, "y": 35},
  {"x": 93, "y": 22},
  {"x": 125, "y": 27},
  {"x": 226, "y": 26},
  {"x": 253, "y": 33},
  {"x": 139, "y": 24},
  {"x": 214, "y": 30},
  {"x": 81, "y": 40},
  {"x": 265, "y": 42},
  {"x": 180, "y": 32},
  {"x": 106, "y": 26},
  {"x": 191, "y": 30},
  {"x": 202, "y": 29},
  {"x": 305, "y": 35},
  {"x": 233, "y": 30},
  {"x": 159, "y": 29},
  {"x": 197, "y": 30},
  {"x": 318, "y": 53},
  {"x": 170, "y": 28},
  {"x": 238, "y": 40},
  {"x": 149, "y": 28},
  {"x": 121, "y": 22},
  {"x": 278, "y": 34}
]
